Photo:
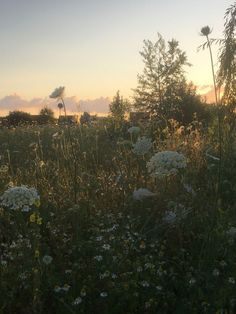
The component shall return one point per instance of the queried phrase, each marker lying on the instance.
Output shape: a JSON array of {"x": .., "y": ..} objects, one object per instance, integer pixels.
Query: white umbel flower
[
  {"x": 58, "y": 92},
  {"x": 166, "y": 163},
  {"x": 20, "y": 197},
  {"x": 47, "y": 259},
  {"x": 142, "y": 146},
  {"x": 141, "y": 194}
]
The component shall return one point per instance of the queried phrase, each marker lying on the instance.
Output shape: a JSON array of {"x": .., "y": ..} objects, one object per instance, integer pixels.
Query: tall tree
[
  {"x": 18, "y": 117},
  {"x": 118, "y": 107},
  {"x": 163, "y": 77},
  {"x": 227, "y": 58},
  {"x": 46, "y": 115}
]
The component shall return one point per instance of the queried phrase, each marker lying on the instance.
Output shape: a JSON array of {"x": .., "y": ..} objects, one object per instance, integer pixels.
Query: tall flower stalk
[
  {"x": 58, "y": 94},
  {"x": 206, "y": 31}
]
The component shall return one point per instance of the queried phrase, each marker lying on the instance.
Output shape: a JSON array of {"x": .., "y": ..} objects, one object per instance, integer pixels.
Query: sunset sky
[{"x": 92, "y": 46}]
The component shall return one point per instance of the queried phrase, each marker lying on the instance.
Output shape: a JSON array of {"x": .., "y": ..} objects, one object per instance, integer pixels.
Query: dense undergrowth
[{"x": 120, "y": 226}]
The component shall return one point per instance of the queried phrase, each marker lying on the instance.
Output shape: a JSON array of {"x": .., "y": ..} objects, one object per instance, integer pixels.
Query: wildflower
[
  {"x": 39, "y": 221},
  {"x": 77, "y": 301},
  {"x": 3, "y": 263},
  {"x": 231, "y": 232},
  {"x": 205, "y": 31},
  {"x": 32, "y": 217},
  {"x": 4, "y": 169},
  {"x": 169, "y": 217},
  {"x": 144, "y": 284},
  {"x": 36, "y": 253},
  {"x": 98, "y": 258},
  {"x": 142, "y": 146},
  {"x": 216, "y": 272},
  {"x": 65, "y": 288},
  {"x": 103, "y": 294},
  {"x": 166, "y": 163},
  {"x": 106, "y": 247},
  {"x": 223, "y": 263},
  {"x": 134, "y": 130},
  {"x": 41, "y": 163},
  {"x": 47, "y": 259},
  {"x": 83, "y": 293},
  {"x": 20, "y": 197},
  {"x": 192, "y": 281},
  {"x": 140, "y": 194},
  {"x": 142, "y": 245},
  {"x": 231, "y": 280},
  {"x": 58, "y": 92},
  {"x": 68, "y": 271},
  {"x": 57, "y": 289},
  {"x": 139, "y": 269}
]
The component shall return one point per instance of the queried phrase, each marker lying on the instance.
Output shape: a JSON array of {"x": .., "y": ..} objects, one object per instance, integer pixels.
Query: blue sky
[{"x": 92, "y": 46}]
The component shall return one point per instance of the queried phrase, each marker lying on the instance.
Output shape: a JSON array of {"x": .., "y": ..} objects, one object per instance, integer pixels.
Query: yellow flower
[
  {"x": 39, "y": 221},
  {"x": 37, "y": 203},
  {"x": 36, "y": 253},
  {"x": 32, "y": 217}
]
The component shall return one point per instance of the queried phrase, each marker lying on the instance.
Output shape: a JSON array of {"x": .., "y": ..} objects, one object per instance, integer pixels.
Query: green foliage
[
  {"x": 170, "y": 253},
  {"x": 162, "y": 88},
  {"x": 118, "y": 107},
  {"x": 85, "y": 118},
  {"x": 46, "y": 115},
  {"x": 227, "y": 60},
  {"x": 18, "y": 118}
]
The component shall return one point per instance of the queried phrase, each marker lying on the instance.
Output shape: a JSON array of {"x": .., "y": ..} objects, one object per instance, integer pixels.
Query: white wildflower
[
  {"x": 106, "y": 247},
  {"x": 231, "y": 280},
  {"x": 142, "y": 146},
  {"x": 114, "y": 276},
  {"x": 192, "y": 281},
  {"x": 47, "y": 259},
  {"x": 20, "y": 197},
  {"x": 77, "y": 301},
  {"x": 169, "y": 217},
  {"x": 139, "y": 269},
  {"x": 134, "y": 130},
  {"x": 216, "y": 272},
  {"x": 103, "y": 294},
  {"x": 166, "y": 163},
  {"x": 231, "y": 232},
  {"x": 144, "y": 284},
  {"x": 98, "y": 258},
  {"x": 65, "y": 288},
  {"x": 57, "y": 289},
  {"x": 58, "y": 92},
  {"x": 140, "y": 194}
]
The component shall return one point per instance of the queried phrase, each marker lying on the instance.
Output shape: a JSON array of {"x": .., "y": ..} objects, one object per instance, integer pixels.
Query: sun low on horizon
[{"x": 92, "y": 47}]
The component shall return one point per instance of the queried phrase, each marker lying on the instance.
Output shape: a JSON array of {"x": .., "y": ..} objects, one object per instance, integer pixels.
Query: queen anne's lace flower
[
  {"x": 166, "y": 163},
  {"x": 20, "y": 197},
  {"x": 169, "y": 217},
  {"x": 58, "y": 92},
  {"x": 140, "y": 194},
  {"x": 47, "y": 259},
  {"x": 142, "y": 146}
]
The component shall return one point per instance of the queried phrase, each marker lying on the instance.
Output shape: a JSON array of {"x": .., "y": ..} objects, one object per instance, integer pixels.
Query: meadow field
[
  {"x": 118, "y": 219},
  {"x": 132, "y": 213}
]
